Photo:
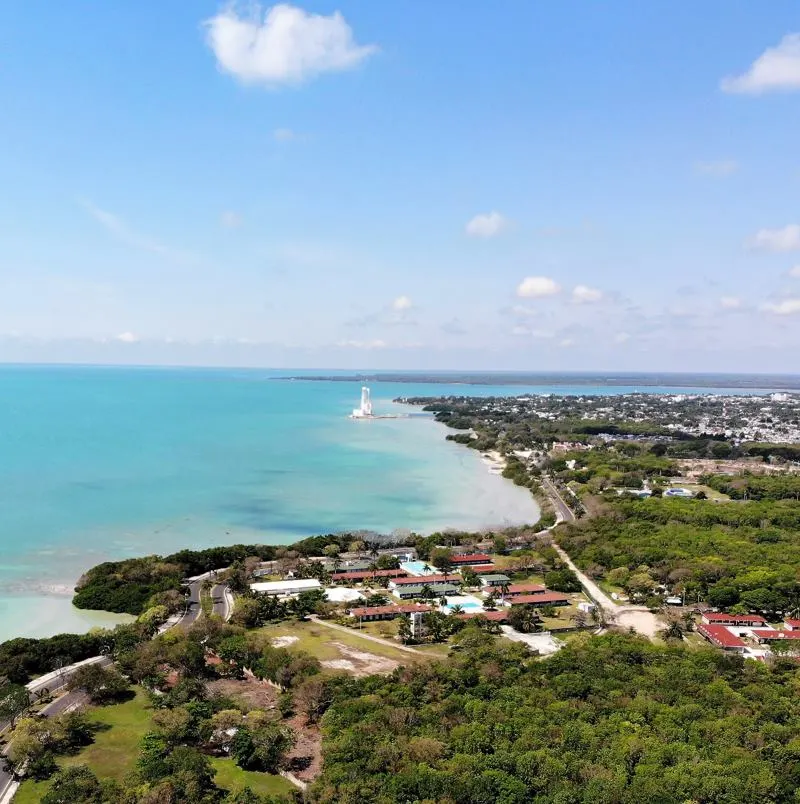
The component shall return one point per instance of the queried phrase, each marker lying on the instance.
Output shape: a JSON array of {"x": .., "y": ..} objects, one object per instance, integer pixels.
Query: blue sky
[{"x": 515, "y": 185}]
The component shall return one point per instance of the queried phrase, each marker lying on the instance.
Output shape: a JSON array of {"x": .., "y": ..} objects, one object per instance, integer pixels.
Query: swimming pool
[
  {"x": 468, "y": 604},
  {"x": 417, "y": 568}
]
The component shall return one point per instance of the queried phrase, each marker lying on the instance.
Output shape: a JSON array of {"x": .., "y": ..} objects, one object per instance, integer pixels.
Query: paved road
[
  {"x": 222, "y": 601},
  {"x": 562, "y": 509}
]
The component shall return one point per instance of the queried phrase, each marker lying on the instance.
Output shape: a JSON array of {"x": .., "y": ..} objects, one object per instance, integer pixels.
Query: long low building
[
  {"x": 470, "y": 559},
  {"x": 293, "y": 587},
  {"x": 406, "y": 591},
  {"x": 773, "y": 635},
  {"x": 369, "y": 613},
  {"x": 720, "y": 636},
  {"x": 364, "y": 575},
  {"x": 525, "y": 589},
  {"x": 494, "y": 616},
  {"x": 495, "y": 579},
  {"x": 414, "y": 580},
  {"x": 543, "y": 599},
  {"x": 722, "y": 618}
]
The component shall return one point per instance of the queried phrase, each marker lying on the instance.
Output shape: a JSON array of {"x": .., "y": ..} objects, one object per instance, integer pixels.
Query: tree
[
  {"x": 261, "y": 747},
  {"x": 442, "y": 559},
  {"x": 79, "y": 785},
  {"x": 470, "y": 577},
  {"x": 524, "y": 619},
  {"x": 313, "y": 697},
  {"x": 674, "y": 630},
  {"x": 14, "y": 702},
  {"x": 101, "y": 684}
]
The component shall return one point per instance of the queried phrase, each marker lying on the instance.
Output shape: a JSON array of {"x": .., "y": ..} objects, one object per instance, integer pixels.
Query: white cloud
[
  {"x": 785, "y": 239},
  {"x": 730, "y": 303},
  {"x": 582, "y": 294},
  {"x": 718, "y": 170},
  {"x": 117, "y": 227},
  {"x": 375, "y": 344},
  {"x": 795, "y": 272},
  {"x": 283, "y": 135},
  {"x": 486, "y": 224},
  {"x": 230, "y": 220},
  {"x": 401, "y": 304},
  {"x": 785, "y": 307},
  {"x": 536, "y": 287},
  {"x": 566, "y": 343},
  {"x": 538, "y": 334},
  {"x": 621, "y": 337},
  {"x": 285, "y": 45},
  {"x": 776, "y": 69},
  {"x": 127, "y": 337}
]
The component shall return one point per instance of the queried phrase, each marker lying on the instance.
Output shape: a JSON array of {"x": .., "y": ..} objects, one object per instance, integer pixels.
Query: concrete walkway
[{"x": 354, "y": 632}]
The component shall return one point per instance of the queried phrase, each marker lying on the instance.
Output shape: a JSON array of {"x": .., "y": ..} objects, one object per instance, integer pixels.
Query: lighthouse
[{"x": 365, "y": 410}]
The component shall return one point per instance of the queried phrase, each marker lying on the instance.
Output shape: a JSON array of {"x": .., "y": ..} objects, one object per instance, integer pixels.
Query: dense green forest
[
  {"x": 612, "y": 719},
  {"x": 756, "y": 487},
  {"x": 728, "y": 554}
]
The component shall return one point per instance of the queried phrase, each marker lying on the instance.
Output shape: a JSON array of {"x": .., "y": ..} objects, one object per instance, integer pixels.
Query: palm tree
[
  {"x": 503, "y": 592},
  {"x": 456, "y": 610},
  {"x": 673, "y": 631}
]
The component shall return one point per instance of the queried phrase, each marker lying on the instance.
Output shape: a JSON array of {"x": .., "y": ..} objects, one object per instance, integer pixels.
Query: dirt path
[
  {"x": 352, "y": 632},
  {"x": 640, "y": 618}
]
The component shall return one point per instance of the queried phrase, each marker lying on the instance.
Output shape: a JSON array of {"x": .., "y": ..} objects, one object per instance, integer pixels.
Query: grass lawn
[
  {"x": 318, "y": 641},
  {"x": 114, "y": 751},
  {"x": 231, "y": 777}
]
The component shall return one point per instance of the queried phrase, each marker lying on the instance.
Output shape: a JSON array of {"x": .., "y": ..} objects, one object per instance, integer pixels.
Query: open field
[
  {"x": 231, "y": 777},
  {"x": 338, "y": 649}
]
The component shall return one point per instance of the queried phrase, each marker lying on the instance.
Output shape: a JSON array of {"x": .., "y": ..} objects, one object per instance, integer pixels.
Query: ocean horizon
[{"x": 101, "y": 463}]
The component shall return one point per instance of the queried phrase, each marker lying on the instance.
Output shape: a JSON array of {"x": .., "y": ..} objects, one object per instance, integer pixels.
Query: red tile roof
[
  {"x": 720, "y": 636},
  {"x": 497, "y": 616},
  {"x": 526, "y": 589},
  {"x": 543, "y": 599},
  {"x": 771, "y": 633},
  {"x": 360, "y": 575},
  {"x": 792, "y": 623},
  {"x": 733, "y": 619},
  {"x": 368, "y": 611},
  {"x": 468, "y": 558},
  {"x": 481, "y": 569},
  {"x": 419, "y": 580}
]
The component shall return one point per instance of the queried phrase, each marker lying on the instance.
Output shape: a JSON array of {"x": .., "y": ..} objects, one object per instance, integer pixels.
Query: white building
[{"x": 286, "y": 587}]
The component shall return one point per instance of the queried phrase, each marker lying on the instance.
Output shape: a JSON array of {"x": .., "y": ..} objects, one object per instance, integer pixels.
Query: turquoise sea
[{"x": 99, "y": 463}]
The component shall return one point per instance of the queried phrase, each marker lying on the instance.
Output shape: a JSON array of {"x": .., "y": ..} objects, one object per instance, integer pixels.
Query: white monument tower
[{"x": 365, "y": 411}]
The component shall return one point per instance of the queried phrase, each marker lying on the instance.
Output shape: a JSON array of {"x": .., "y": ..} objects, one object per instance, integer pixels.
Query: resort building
[
  {"x": 791, "y": 625},
  {"x": 471, "y": 559},
  {"x": 495, "y": 579},
  {"x": 542, "y": 599},
  {"x": 370, "y": 613},
  {"x": 290, "y": 587},
  {"x": 408, "y": 592},
  {"x": 722, "y": 618},
  {"x": 365, "y": 575},
  {"x": 428, "y": 580},
  {"x": 493, "y": 616},
  {"x": 720, "y": 636},
  {"x": 481, "y": 569},
  {"x": 354, "y": 566},
  {"x": 773, "y": 635},
  {"x": 525, "y": 589}
]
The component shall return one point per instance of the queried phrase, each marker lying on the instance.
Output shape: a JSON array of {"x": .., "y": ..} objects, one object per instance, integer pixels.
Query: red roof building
[
  {"x": 386, "y": 612},
  {"x": 791, "y": 625},
  {"x": 483, "y": 569},
  {"x": 471, "y": 558},
  {"x": 722, "y": 618},
  {"x": 771, "y": 635},
  {"x": 542, "y": 599},
  {"x": 525, "y": 589},
  {"x": 363, "y": 575},
  {"x": 720, "y": 636},
  {"x": 421, "y": 580},
  {"x": 495, "y": 616}
]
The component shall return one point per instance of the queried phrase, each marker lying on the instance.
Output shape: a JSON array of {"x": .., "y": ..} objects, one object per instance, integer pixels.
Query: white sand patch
[
  {"x": 339, "y": 664},
  {"x": 284, "y": 641}
]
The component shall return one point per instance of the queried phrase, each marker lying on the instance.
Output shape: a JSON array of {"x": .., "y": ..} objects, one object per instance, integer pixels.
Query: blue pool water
[{"x": 417, "y": 568}]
